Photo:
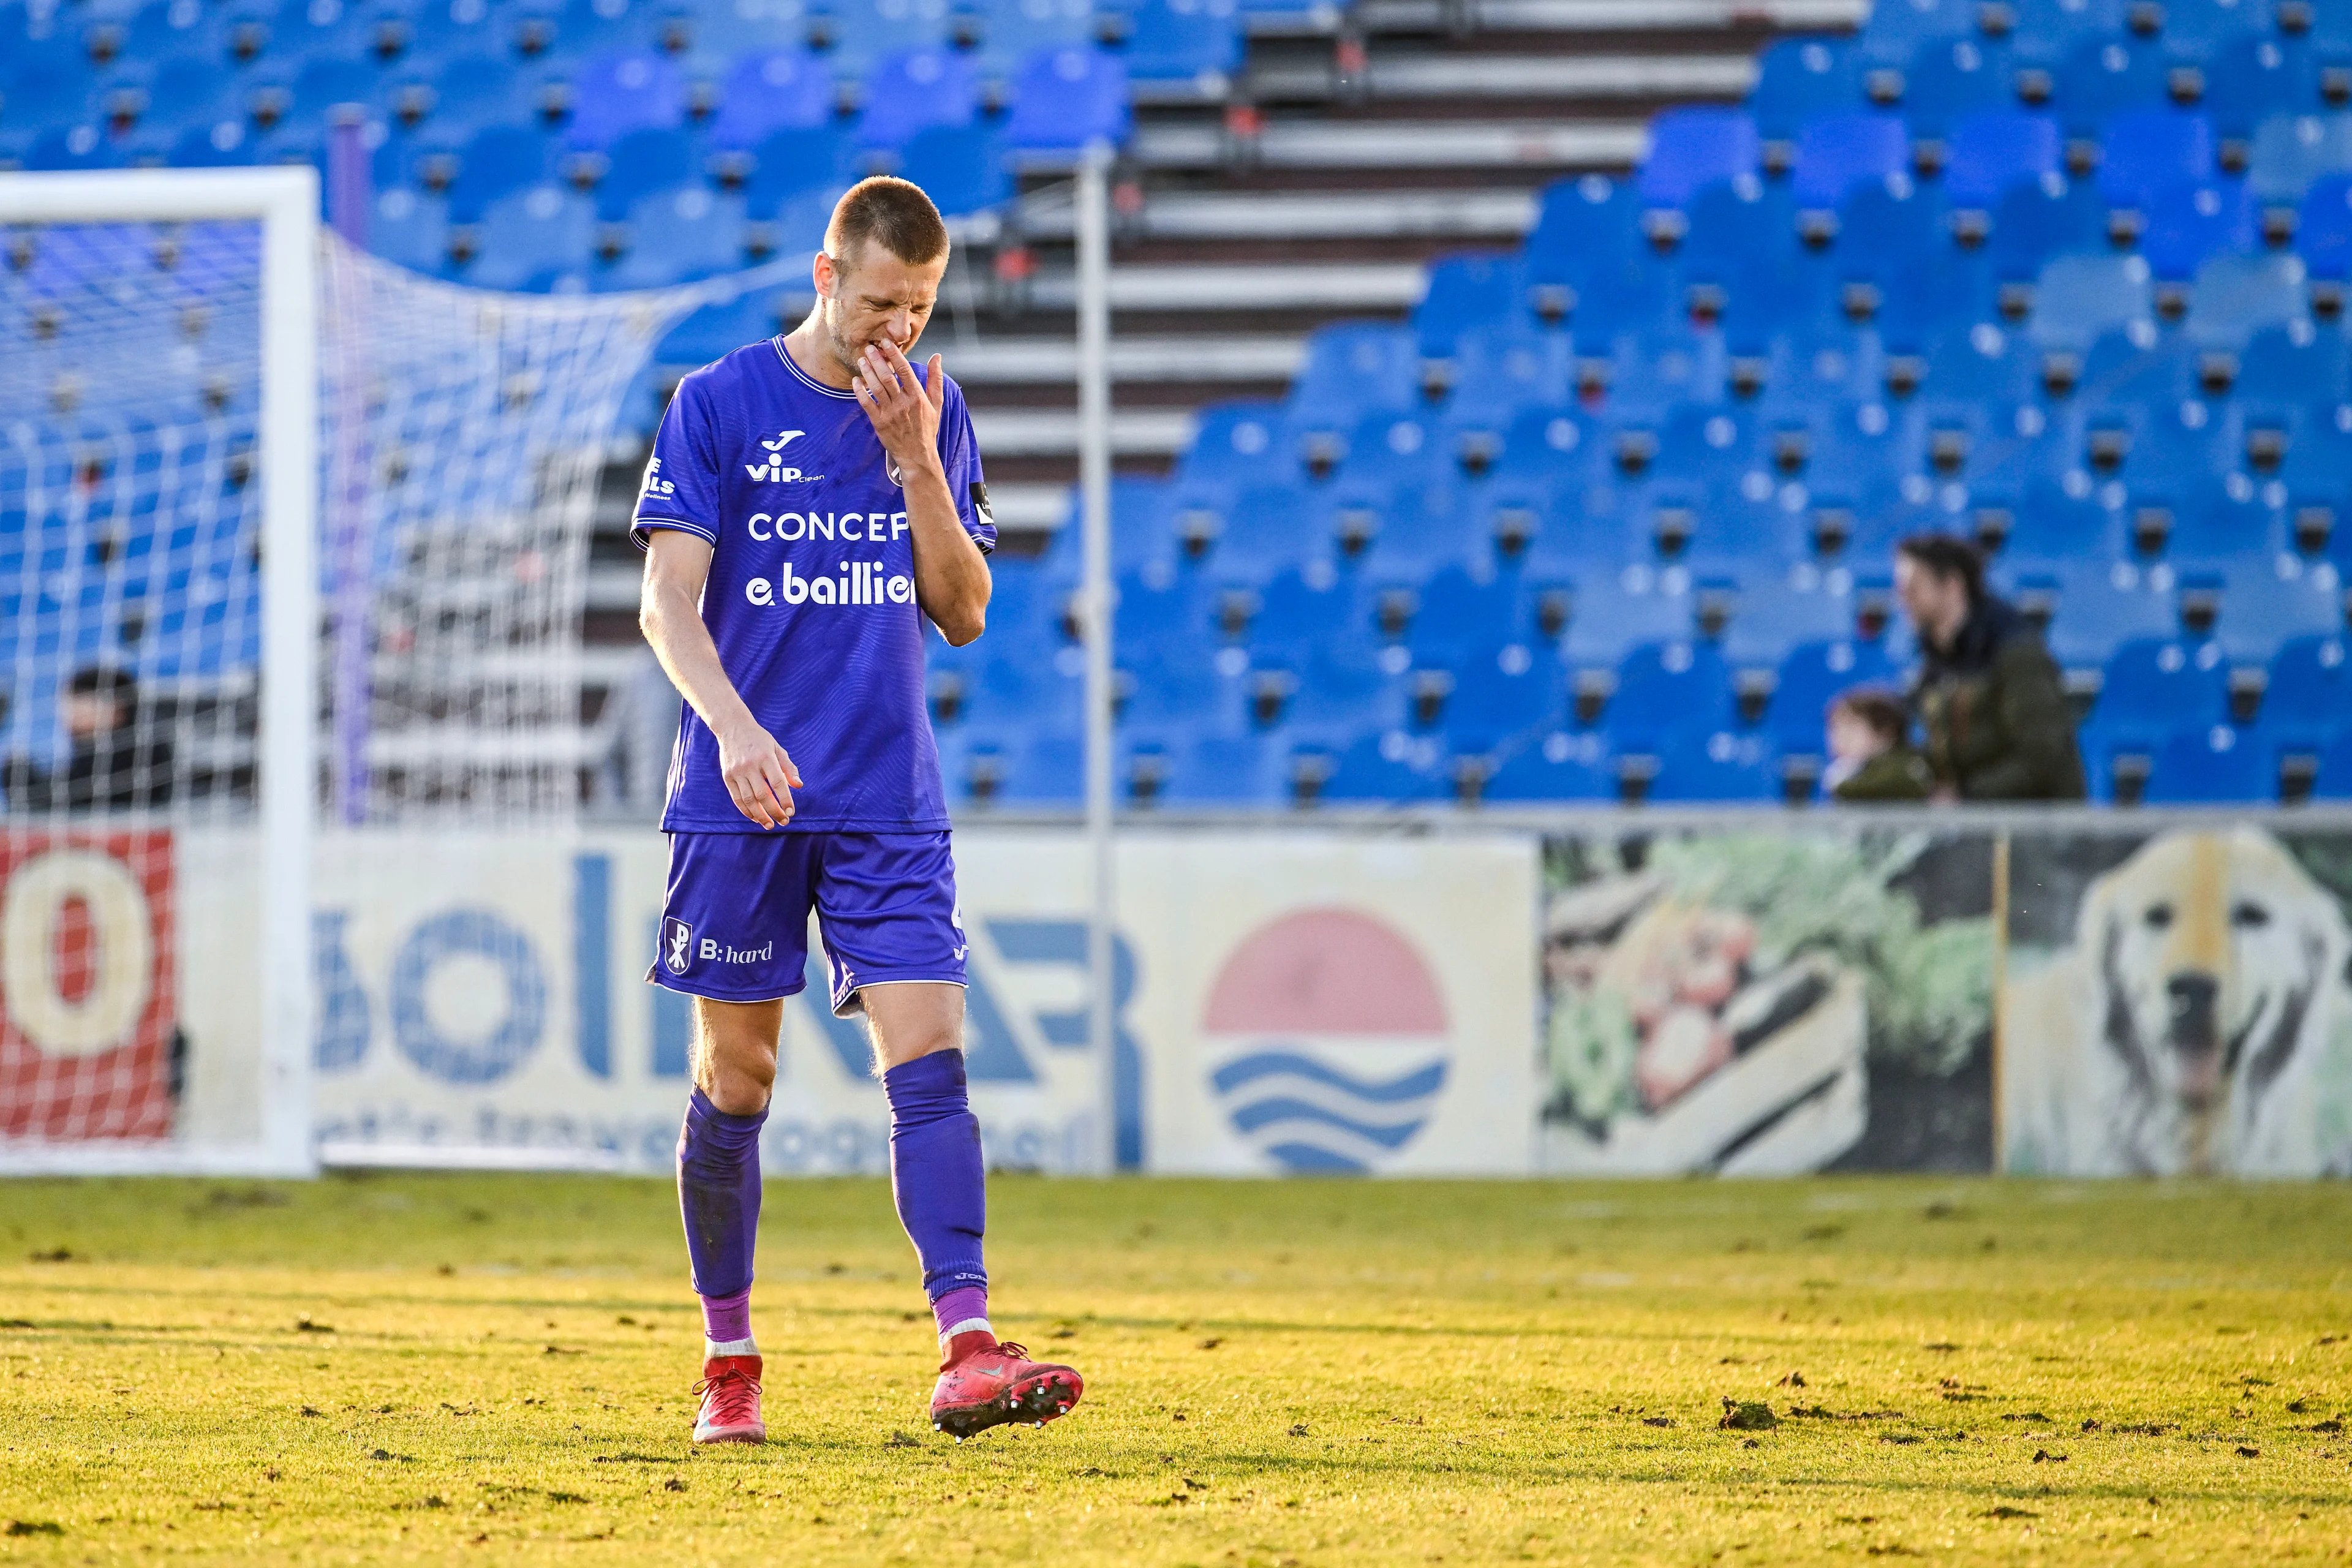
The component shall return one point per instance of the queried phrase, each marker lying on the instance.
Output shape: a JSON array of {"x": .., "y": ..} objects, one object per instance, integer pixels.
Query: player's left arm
[{"x": 951, "y": 580}]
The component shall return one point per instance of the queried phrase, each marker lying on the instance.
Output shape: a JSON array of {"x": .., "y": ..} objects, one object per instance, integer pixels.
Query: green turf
[{"x": 496, "y": 1369}]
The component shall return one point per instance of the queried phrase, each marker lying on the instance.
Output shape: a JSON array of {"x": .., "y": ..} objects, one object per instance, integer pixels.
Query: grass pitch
[{"x": 474, "y": 1369}]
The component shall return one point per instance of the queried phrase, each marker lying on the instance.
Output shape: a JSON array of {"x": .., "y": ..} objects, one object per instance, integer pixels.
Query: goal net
[
  {"x": 157, "y": 448},
  {"x": 292, "y": 547}
]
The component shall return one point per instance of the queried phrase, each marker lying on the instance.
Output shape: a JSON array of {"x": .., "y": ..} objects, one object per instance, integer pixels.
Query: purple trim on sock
[
  {"x": 959, "y": 1305},
  {"x": 936, "y": 1173},
  {"x": 718, "y": 1194},
  {"x": 726, "y": 1319}
]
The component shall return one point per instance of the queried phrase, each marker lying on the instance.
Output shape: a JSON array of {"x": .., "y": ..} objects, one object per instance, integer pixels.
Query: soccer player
[{"x": 811, "y": 503}]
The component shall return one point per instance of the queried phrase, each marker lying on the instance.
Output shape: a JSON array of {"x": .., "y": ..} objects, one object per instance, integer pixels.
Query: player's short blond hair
[{"x": 893, "y": 214}]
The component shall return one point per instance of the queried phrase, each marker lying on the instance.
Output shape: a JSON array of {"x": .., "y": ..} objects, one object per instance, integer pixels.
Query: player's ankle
[{"x": 713, "y": 1349}]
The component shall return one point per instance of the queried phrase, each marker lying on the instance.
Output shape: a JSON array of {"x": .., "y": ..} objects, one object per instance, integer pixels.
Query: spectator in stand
[
  {"x": 119, "y": 757},
  {"x": 1990, "y": 700},
  {"x": 1872, "y": 759}
]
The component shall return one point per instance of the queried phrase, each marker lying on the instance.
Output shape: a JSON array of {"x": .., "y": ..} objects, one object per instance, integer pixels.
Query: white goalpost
[{"x": 158, "y": 493}]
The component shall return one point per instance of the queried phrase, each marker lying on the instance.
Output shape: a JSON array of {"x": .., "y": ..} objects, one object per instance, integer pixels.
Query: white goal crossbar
[{"x": 284, "y": 203}]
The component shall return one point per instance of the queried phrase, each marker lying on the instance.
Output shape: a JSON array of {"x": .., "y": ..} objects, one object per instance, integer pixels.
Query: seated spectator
[
  {"x": 1872, "y": 759},
  {"x": 118, "y": 758},
  {"x": 1990, "y": 697}
]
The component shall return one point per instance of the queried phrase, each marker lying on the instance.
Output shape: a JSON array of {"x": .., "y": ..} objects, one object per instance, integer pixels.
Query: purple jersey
[{"x": 811, "y": 597}]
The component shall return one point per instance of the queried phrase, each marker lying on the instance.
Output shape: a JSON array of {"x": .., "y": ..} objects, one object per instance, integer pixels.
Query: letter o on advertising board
[
  {"x": 105, "y": 1015},
  {"x": 468, "y": 933}
]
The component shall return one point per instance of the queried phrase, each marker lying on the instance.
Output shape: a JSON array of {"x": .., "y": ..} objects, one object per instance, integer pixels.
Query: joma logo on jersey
[{"x": 770, "y": 469}]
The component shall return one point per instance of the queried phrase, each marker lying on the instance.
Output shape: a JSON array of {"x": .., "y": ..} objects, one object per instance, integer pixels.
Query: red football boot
[
  {"x": 985, "y": 1383},
  {"x": 730, "y": 1401}
]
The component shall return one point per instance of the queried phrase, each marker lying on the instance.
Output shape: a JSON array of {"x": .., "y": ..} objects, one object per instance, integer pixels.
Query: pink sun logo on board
[{"x": 1329, "y": 1038}]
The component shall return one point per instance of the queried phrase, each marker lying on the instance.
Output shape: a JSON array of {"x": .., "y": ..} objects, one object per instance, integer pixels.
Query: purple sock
[
  {"x": 718, "y": 1194},
  {"x": 963, "y": 1309},
  {"x": 727, "y": 1319},
  {"x": 936, "y": 1173}
]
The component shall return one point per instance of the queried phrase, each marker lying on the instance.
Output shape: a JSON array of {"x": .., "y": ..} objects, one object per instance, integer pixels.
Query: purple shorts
[{"x": 735, "y": 923}]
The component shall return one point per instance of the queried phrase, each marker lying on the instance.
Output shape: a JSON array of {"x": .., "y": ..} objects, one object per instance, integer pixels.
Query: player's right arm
[
  {"x": 760, "y": 774},
  {"x": 677, "y": 526}
]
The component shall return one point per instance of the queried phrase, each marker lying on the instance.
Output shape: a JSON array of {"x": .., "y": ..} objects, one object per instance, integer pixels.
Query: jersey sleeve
[
  {"x": 960, "y": 449},
  {"x": 680, "y": 488}
]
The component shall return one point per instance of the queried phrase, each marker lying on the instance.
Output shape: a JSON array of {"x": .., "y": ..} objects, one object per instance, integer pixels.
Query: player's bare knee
[{"x": 735, "y": 1054}]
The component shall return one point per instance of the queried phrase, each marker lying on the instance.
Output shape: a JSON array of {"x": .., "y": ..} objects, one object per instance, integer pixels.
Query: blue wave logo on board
[{"x": 1329, "y": 1040}]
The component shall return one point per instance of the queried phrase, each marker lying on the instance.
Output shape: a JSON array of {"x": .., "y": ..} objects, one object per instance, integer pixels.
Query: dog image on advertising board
[{"x": 2182, "y": 1032}]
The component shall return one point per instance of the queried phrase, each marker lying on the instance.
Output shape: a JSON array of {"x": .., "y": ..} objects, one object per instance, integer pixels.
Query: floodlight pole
[{"x": 1093, "y": 214}]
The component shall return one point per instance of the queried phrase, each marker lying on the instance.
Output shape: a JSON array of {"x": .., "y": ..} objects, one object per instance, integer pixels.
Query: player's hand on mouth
[
  {"x": 904, "y": 410},
  {"x": 760, "y": 774}
]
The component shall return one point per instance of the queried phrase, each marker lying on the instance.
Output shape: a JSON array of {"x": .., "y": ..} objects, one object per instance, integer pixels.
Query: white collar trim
[{"x": 804, "y": 378}]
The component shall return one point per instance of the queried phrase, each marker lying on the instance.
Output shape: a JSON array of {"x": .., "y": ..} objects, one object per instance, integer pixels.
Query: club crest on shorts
[
  {"x": 678, "y": 945},
  {"x": 890, "y": 465}
]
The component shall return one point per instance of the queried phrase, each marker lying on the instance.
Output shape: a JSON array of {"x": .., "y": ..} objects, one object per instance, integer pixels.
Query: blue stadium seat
[
  {"x": 2238, "y": 296},
  {"x": 2293, "y": 153},
  {"x": 1465, "y": 292},
  {"x": 1306, "y": 610},
  {"x": 1584, "y": 224},
  {"x": 2079, "y": 297},
  {"x": 1799, "y": 79},
  {"x": 1724, "y": 768},
  {"x": 2323, "y": 234},
  {"x": 783, "y": 90},
  {"x": 2147, "y": 150},
  {"x": 1461, "y": 610},
  {"x": 961, "y": 168},
  {"x": 2198, "y": 29},
  {"x": 1012, "y": 31},
  {"x": 1947, "y": 81},
  {"x": 410, "y": 229},
  {"x": 860, "y": 40},
  {"x": 2099, "y": 605},
  {"x": 616, "y": 94},
  {"x": 1993, "y": 150},
  {"x": 2262, "y": 612},
  {"x": 1498, "y": 373},
  {"x": 2252, "y": 79},
  {"x": 1231, "y": 443},
  {"x": 1898, "y": 27},
  {"x": 1839, "y": 152},
  {"x": 1352, "y": 370},
  {"x": 1691, "y": 149},
  {"x": 1505, "y": 696},
  {"x": 1393, "y": 767},
  {"x": 1183, "y": 41},
  {"x": 2038, "y": 221},
  {"x": 680, "y": 235},
  {"x": 2212, "y": 765},
  {"x": 531, "y": 239},
  {"x": 496, "y": 162},
  {"x": 790, "y": 166},
  {"x": 1608, "y": 622},
  {"x": 1668, "y": 688},
  {"x": 2309, "y": 694},
  {"x": 2192, "y": 220},
  {"x": 2293, "y": 363},
  {"x": 1067, "y": 97},
  {"x": 1563, "y": 765},
  {"x": 2154, "y": 685},
  {"x": 1227, "y": 770},
  {"x": 2101, "y": 80},
  {"x": 641, "y": 162},
  {"x": 914, "y": 90}
]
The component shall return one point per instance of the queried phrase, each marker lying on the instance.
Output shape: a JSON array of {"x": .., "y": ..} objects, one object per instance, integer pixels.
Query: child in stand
[{"x": 1872, "y": 759}]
